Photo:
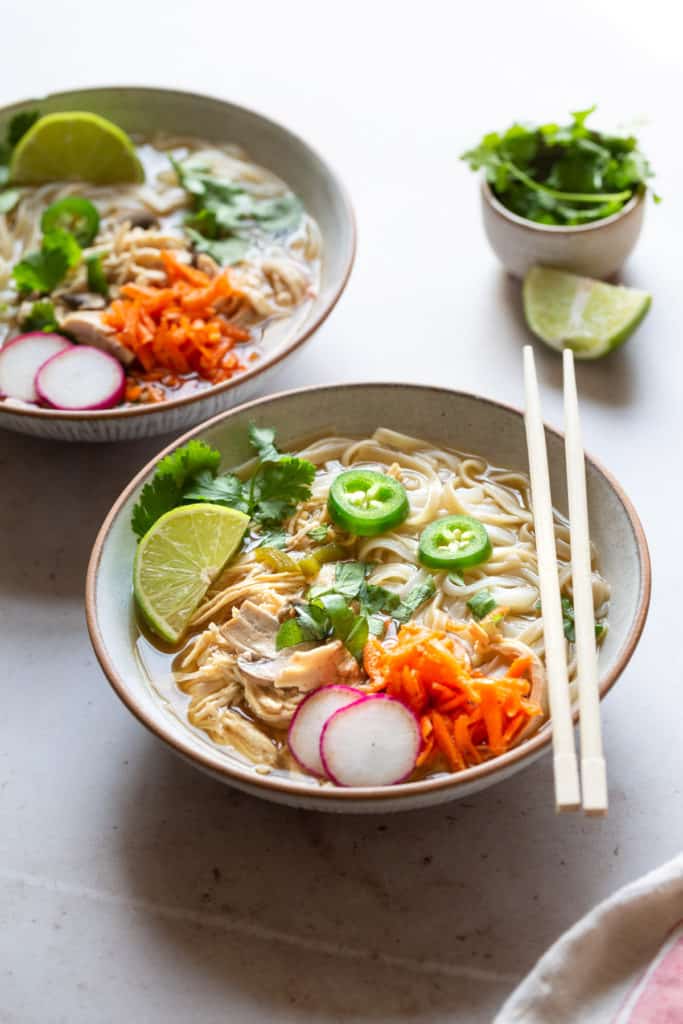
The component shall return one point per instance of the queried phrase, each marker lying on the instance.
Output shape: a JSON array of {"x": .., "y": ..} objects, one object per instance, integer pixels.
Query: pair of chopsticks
[{"x": 593, "y": 773}]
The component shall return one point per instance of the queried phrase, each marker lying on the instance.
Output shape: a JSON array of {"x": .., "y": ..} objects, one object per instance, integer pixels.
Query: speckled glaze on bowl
[
  {"x": 598, "y": 249},
  {"x": 451, "y": 418},
  {"x": 145, "y": 111}
]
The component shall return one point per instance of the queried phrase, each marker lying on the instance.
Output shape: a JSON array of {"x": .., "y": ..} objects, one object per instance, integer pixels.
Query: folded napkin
[{"x": 621, "y": 964}]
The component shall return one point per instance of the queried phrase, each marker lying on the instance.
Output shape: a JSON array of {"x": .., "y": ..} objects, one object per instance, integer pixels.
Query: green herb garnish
[
  {"x": 569, "y": 625},
  {"x": 481, "y": 603},
  {"x": 561, "y": 174},
  {"x": 165, "y": 490},
  {"x": 224, "y": 214},
  {"x": 417, "y": 596},
  {"x": 43, "y": 270},
  {"x": 97, "y": 281},
  {"x": 41, "y": 318},
  {"x": 190, "y": 474}
]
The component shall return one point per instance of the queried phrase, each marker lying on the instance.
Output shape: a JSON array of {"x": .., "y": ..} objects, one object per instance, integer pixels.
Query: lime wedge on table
[
  {"x": 178, "y": 559},
  {"x": 75, "y": 146},
  {"x": 590, "y": 317}
]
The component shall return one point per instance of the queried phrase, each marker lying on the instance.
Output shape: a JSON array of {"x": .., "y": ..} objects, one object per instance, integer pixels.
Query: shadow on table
[
  {"x": 54, "y": 498},
  {"x": 609, "y": 381},
  {"x": 348, "y": 917}
]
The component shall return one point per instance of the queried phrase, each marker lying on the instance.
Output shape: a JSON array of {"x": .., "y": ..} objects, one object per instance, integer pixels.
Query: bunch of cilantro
[
  {"x": 223, "y": 214},
  {"x": 350, "y": 609},
  {"x": 190, "y": 474},
  {"x": 561, "y": 174}
]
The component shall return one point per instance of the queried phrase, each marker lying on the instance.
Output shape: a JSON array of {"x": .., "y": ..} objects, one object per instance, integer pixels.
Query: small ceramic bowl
[
  {"x": 445, "y": 417},
  {"x": 598, "y": 249},
  {"x": 145, "y": 111}
]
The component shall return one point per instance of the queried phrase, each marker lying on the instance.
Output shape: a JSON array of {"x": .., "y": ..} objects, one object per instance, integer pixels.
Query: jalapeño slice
[
  {"x": 73, "y": 214},
  {"x": 367, "y": 503},
  {"x": 454, "y": 542}
]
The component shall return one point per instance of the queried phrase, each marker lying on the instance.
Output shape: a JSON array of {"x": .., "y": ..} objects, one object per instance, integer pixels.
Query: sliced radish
[
  {"x": 373, "y": 742},
  {"x": 81, "y": 378},
  {"x": 307, "y": 725},
  {"x": 22, "y": 357}
]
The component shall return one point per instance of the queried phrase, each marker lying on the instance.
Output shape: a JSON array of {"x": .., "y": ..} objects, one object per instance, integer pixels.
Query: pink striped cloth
[{"x": 621, "y": 964}]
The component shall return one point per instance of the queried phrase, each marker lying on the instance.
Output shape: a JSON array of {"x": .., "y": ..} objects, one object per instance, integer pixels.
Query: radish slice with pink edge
[
  {"x": 374, "y": 742},
  {"x": 22, "y": 357},
  {"x": 309, "y": 719},
  {"x": 81, "y": 378}
]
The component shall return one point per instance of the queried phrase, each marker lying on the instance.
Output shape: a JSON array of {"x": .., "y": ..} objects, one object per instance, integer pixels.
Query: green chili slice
[
  {"x": 367, "y": 503},
  {"x": 74, "y": 214},
  {"x": 454, "y": 542}
]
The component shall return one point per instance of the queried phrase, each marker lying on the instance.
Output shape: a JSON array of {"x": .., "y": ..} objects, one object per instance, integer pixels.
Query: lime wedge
[
  {"x": 590, "y": 317},
  {"x": 75, "y": 146},
  {"x": 178, "y": 559}
]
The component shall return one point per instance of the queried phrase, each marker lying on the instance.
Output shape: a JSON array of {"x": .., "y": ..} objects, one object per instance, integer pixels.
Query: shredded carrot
[
  {"x": 464, "y": 716},
  {"x": 182, "y": 327}
]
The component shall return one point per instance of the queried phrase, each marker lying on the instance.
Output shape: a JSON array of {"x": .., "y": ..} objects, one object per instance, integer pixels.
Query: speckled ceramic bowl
[
  {"x": 145, "y": 111},
  {"x": 598, "y": 249},
  {"x": 449, "y": 418}
]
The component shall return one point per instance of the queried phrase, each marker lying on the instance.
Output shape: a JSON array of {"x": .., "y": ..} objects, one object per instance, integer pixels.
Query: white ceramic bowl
[
  {"x": 144, "y": 111},
  {"x": 450, "y": 418},
  {"x": 598, "y": 249}
]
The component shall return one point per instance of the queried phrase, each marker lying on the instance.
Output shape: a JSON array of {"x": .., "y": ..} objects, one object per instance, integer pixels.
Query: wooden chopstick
[
  {"x": 567, "y": 795},
  {"x": 593, "y": 771}
]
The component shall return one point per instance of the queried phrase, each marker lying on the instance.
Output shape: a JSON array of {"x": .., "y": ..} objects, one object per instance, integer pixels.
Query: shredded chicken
[{"x": 86, "y": 327}]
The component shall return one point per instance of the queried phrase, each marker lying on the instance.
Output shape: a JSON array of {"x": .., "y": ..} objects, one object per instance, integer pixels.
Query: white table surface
[{"x": 136, "y": 889}]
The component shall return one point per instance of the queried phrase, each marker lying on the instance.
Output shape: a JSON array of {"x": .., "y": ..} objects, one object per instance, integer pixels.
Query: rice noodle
[
  {"x": 276, "y": 275},
  {"x": 438, "y": 482}
]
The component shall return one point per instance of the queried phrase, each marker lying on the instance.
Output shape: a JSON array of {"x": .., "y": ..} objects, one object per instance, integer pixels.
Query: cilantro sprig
[
  {"x": 223, "y": 213},
  {"x": 350, "y": 609},
  {"x": 41, "y": 271},
  {"x": 190, "y": 474},
  {"x": 561, "y": 174}
]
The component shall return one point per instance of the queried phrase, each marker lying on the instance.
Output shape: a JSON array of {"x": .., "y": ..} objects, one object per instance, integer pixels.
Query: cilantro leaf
[
  {"x": 157, "y": 497},
  {"x": 278, "y": 487},
  {"x": 357, "y": 637},
  {"x": 263, "y": 440},
  {"x": 226, "y": 489},
  {"x": 189, "y": 460},
  {"x": 289, "y": 634},
  {"x": 20, "y": 124},
  {"x": 97, "y": 281},
  {"x": 225, "y": 252},
  {"x": 376, "y": 599},
  {"x": 273, "y": 539},
  {"x": 225, "y": 215},
  {"x": 43, "y": 270},
  {"x": 349, "y": 577},
  {"x": 165, "y": 490},
  {"x": 561, "y": 174},
  {"x": 481, "y": 603},
  {"x": 42, "y": 317},
  {"x": 416, "y": 596}
]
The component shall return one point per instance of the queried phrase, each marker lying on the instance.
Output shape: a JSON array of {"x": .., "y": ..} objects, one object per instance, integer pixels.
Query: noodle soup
[
  {"x": 435, "y": 608},
  {"x": 183, "y": 277}
]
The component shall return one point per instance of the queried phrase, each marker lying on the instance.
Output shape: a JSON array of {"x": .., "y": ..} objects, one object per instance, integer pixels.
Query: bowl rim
[
  {"x": 381, "y": 795},
  {"x": 307, "y": 328},
  {"x": 532, "y": 226}
]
